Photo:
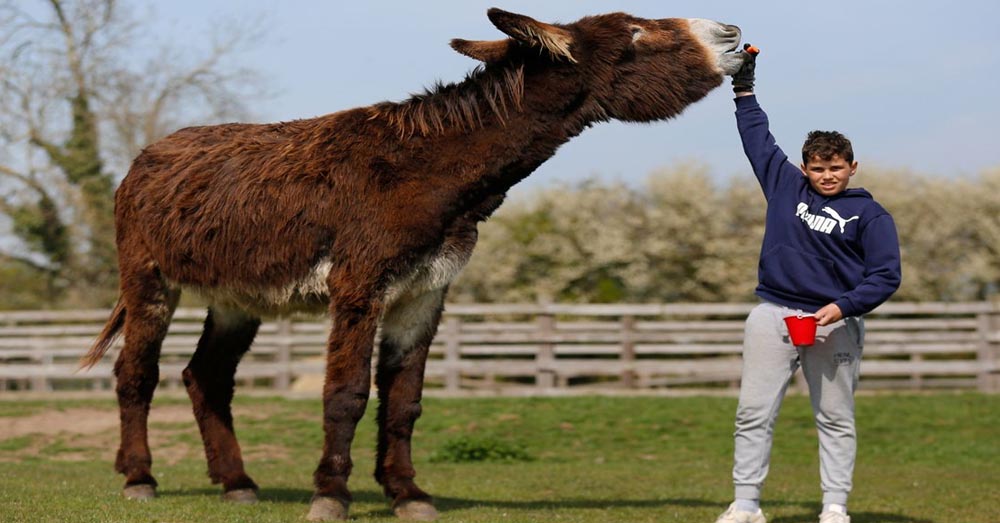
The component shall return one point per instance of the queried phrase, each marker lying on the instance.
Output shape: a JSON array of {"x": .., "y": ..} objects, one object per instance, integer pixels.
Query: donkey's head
[{"x": 619, "y": 66}]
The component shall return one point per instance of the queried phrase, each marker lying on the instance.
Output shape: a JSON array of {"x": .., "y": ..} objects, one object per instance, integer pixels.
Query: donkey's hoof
[
  {"x": 244, "y": 496},
  {"x": 327, "y": 509},
  {"x": 139, "y": 492},
  {"x": 415, "y": 510}
]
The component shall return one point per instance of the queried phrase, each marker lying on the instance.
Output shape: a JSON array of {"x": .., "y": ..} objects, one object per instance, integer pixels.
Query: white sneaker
[
  {"x": 834, "y": 517},
  {"x": 731, "y": 515}
]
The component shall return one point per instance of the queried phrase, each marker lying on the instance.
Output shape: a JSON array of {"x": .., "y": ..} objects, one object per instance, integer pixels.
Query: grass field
[{"x": 922, "y": 459}]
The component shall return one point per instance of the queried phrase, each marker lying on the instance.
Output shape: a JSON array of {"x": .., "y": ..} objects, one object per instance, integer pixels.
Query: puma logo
[
  {"x": 822, "y": 223},
  {"x": 836, "y": 216}
]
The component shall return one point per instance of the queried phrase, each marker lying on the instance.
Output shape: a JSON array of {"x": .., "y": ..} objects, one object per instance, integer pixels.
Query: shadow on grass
[
  {"x": 272, "y": 495},
  {"x": 856, "y": 517},
  {"x": 447, "y": 504},
  {"x": 298, "y": 495},
  {"x": 290, "y": 496}
]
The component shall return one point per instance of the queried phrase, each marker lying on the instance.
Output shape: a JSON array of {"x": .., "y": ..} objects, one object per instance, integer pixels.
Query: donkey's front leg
[
  {"x": 345, "y": 395},
  {"x": 407, "y": 331}
]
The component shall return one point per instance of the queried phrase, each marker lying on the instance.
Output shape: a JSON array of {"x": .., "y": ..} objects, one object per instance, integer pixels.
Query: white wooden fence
[{"x": 536, "y": 349}]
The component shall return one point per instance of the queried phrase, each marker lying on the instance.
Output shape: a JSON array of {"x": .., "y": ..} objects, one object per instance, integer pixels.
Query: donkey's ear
[
  {"x": 529, "y": 31},
  {"x": 486, "y": 51}
]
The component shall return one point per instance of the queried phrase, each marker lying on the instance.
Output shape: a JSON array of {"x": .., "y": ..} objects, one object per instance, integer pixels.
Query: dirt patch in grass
[
  {"x": 83, "y": 421},
  {"x": 87, "y": 433},
  {"x": 90, "y": 421}
]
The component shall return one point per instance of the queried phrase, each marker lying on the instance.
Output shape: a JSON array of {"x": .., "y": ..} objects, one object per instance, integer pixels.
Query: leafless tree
[{"x": 82, "y": 90}]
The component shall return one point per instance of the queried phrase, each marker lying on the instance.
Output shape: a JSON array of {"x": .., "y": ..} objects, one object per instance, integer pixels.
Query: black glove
[{"x": 744, "y": 78}]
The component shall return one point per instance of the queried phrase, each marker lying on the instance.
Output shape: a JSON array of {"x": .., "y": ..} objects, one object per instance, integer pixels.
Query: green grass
[{"x": 922, "y": 459}]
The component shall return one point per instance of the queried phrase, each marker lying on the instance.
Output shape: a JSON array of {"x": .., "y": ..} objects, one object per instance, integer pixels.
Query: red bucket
[{"x": 801, "y": 329}]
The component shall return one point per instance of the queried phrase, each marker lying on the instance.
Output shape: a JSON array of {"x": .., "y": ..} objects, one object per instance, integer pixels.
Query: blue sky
[{"x": 913, "y": 84}]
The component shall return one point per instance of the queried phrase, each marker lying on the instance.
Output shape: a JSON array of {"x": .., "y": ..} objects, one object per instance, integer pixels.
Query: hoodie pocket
[{"x": 798, "y": 273}]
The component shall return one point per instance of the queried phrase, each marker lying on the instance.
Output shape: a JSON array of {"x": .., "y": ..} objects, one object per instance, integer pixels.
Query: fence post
[
  {"x": 41, "y": 383},
  {"x": 628, "y": 352},
  {"x": 917, "y": 377},
  {"x": 283, "y": 355},
  {"x": 987, "y": 324},
  {"x": 452, "y": 353},
  {"x": 545, "y": 362}
]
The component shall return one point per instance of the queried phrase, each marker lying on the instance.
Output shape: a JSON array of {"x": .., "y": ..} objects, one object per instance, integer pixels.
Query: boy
[{"x": 827, "y": 250}]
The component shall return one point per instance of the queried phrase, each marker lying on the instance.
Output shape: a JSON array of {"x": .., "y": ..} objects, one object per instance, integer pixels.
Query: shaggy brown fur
[
  {"x": 457, "y": 107},
  {"x": 368, "y": 214}
]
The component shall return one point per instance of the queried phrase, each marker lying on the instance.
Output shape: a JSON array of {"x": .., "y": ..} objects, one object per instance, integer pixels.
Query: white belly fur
[
  {"x": 311, "y": 294},
  {"x": 434, "y": 273}
]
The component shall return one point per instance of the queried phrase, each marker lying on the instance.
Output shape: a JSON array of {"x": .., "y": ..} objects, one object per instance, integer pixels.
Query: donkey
[{"x": 368, "y": 213}]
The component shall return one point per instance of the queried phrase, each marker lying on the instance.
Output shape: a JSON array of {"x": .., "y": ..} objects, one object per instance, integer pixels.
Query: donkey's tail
[{"x": 106, "y": 338}]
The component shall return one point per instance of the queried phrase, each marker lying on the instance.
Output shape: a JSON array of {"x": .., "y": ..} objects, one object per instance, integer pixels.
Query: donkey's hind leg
[
  {"x": 210, "y": 381},
  {"x": 408, "y": 328},
  {"x": 149, "y": 305}
]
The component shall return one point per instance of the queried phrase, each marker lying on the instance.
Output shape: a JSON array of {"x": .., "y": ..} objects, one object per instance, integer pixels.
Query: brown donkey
[{"x": 368, "y": 213}]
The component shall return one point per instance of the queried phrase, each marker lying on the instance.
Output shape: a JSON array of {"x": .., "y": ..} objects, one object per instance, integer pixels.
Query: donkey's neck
[
  {"x": 492, "y": 130},
  {"x": 485, "y": 96}
]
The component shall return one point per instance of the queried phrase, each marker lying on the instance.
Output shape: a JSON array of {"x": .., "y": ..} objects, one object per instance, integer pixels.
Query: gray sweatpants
[{"x": 831, "y": 369}]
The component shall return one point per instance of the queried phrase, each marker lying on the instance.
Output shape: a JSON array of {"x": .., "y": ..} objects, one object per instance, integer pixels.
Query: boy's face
[{"x": 829, "y": 177}]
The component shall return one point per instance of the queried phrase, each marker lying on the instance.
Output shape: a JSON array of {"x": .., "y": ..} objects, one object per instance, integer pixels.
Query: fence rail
[{"x": 535, "y": 349}]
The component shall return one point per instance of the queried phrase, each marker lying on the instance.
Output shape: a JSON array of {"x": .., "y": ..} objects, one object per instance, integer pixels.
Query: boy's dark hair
[{"x": 826, "y": 145}]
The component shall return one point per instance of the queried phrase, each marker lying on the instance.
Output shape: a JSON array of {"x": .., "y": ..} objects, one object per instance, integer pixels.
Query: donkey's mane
[{"x": 448, "y": 106}]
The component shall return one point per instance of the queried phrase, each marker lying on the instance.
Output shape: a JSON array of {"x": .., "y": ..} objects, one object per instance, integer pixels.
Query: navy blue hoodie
[{"x": 817, "y": 250}]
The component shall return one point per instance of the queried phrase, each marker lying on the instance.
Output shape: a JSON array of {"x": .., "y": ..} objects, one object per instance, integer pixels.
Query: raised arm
[{"x": 768, "y": 161}]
